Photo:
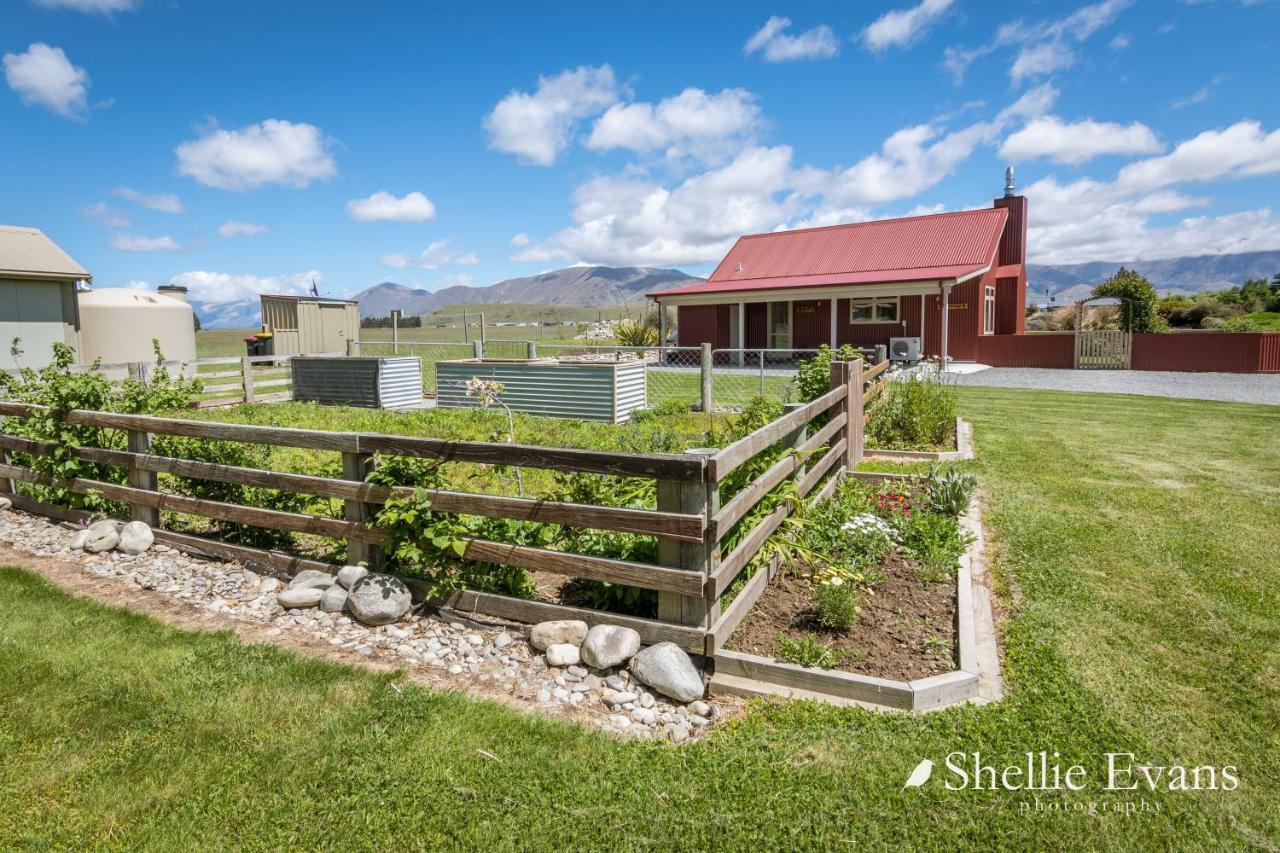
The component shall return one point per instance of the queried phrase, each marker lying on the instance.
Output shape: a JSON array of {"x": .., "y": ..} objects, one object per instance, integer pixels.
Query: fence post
[
  {"x": 689, "y": 497},
  {"x": 478, "y": 348},
  {"x": 531, "y": 350},
  {"x": 853, "y": 449},
  {"x": 356, "y": 466},
  {"x": 842, "y": 374},
  {"x": 246, "y": 377},
  {"x": 6, "y": 485},
  {"x": 882, "y": 353},
  {"x": 707, "y": 401},
  {"x": 796, "y": 438},
  {"x": 761, "y": 373},
  {"x": 140, "y": 442},
  {"x": 395, "y": 332}
]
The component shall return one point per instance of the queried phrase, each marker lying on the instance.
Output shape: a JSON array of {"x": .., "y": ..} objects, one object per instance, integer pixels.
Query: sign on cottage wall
[{"x": 959, "y": 306}]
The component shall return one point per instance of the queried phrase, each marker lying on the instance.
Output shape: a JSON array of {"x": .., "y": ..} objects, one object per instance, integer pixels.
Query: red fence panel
[
  {"x": 1269, "y": 353},
  {"x": 1034, "y": 349},
  {"x": 1202, "y": 352}
]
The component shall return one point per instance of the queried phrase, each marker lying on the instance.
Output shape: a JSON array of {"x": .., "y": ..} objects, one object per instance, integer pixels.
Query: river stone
[
  {"x": 311, "y": 579},
  {"x": 348, "y": 575},
  {"x": 135, "y": 537},
  {"x": 102, "y": 536},
  {"x": 334, "y": 599},
  {"x": 5, "y": 503},
  {"x": 557, "y": 632},
  {"x": 303, "y": 596},
  {"x": 562, "y": 654},
  {"x": 667, "y": 669},
  {"x": 609, "y": 645},
  {"x": 379, "y": 599},
  {"x": 78, "y": 539}
]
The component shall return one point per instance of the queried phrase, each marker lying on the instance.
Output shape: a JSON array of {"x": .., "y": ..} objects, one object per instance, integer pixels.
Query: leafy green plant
[
  {"x": 807, "y": 651},
  {"x": 421, "y": 542},
  {"x": 813, "y": 375},
  {"x": 629, "y": 333},
  {"x": 936, "y": 541},
  {"x": 949, "y": 491},
  {"x": 915, "y": 413},
  {"x": 837, "y": 602}
]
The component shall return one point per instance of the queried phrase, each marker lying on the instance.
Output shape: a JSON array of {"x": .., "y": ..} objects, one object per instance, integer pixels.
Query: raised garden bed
[
  {"x": 917, "y": 644},
  {"x": 962, "y": 449}
]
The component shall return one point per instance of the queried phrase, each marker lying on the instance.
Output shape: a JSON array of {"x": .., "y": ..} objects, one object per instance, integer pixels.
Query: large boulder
[
  {"x": 558, "y": 632},
  {"x": 378, "y": 599},
  {"x": 78, "y": 539},
  {"x": 667, "y": 669},
  {"x": 135, "y": 537},
  {"x": 311, "y": 579},
  {"x": 304, "y": 596},
  {"x": 5, "y": 503},
  {"x": 609, "y": 645},
  {"x": 102, "y": 536},
  {"x": 334, "y": 599},
  {"x": 348, "y": 575}
]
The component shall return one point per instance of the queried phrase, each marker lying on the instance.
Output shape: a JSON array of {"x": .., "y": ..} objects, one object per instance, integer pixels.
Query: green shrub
[
  {"x": 629, "y": 333},
  {"x": 808, "y": 652},
  {"x": 813, "y": 375},
  {"x": 914, "y": 413},
  {"x": 1139, "y": 303},
  {"x": 949, "y": 491}
]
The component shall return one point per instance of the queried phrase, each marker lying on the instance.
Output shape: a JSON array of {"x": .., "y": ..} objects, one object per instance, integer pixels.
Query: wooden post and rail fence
[{"x": 702, "y": 548}]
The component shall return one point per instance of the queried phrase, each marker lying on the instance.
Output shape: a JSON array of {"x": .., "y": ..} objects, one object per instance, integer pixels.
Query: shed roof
[
  {"x": 285, "y": 297},
  {"x": 913, "y": 248},
  {"x": 28, "y": 253}
]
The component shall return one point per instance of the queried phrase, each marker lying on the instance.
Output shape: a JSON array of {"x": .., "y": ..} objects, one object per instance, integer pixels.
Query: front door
[{"x": 779, "y": 325}]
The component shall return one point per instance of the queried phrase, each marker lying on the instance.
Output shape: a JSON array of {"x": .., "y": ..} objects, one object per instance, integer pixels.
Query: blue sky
[{"x": 241, "y": 147}]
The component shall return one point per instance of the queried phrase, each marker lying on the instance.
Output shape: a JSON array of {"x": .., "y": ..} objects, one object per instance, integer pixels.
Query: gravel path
[{"x": 1229, "y": 387}]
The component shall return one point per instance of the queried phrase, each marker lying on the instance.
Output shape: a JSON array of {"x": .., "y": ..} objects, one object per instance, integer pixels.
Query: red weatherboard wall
[
  {"x": 1203, "y": 352},
  {"x": 876, "y": 334},
  {"x": 810, "y": 323},
  {"x": 757, "y": 325},
  {"x": 703, "y": 324}
]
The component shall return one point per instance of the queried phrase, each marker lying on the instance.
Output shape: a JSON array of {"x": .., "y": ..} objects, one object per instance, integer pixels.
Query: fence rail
[{"x": 693, "y": 575}]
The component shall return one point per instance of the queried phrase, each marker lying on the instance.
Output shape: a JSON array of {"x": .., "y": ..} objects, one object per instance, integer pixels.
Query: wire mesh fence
[{"x": 732, "y": 377}]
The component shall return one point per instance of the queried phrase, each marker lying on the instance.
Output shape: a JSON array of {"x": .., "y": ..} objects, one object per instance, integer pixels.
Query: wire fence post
[
  {"x": 531, "y": 350},
  {"x": 705, "y": 368},
  {"x": 478, "y": 348},
  {"x": 761, "y": 372}
]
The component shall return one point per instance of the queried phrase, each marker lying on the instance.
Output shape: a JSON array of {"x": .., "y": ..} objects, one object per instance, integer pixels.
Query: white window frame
[
  {"x": 875, "y": 302},
  {"x": 989, "y": 311}
]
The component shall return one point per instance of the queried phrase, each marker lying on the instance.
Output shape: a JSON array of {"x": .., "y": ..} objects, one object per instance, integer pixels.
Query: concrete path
[{"x": 1230, "y": 387}]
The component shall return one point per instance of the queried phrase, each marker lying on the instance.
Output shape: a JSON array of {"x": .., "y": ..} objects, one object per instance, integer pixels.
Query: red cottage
[{"x": 866, "y": 283}]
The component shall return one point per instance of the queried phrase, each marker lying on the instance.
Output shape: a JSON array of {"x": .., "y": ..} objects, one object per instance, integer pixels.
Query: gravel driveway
[{"x": 1231, "y": 387}]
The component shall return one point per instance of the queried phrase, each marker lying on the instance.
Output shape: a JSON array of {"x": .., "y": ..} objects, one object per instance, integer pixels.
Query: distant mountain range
[
  {"x": 1070, "y": 282},
  {"x": 591, "y": 287},
  {"x": 585, "y": 287}
]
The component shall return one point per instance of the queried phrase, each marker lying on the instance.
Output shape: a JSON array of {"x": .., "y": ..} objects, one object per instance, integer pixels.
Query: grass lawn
[
  {"x": 1264, "y": 319},
  {"x": 1138, "y": 556}
]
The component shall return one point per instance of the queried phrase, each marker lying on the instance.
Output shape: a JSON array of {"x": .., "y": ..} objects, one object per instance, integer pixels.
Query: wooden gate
[{"x": 1103, "y": 349}]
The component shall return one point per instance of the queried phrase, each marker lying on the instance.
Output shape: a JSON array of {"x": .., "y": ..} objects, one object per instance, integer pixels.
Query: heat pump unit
[{"x": 904, "y": 349}]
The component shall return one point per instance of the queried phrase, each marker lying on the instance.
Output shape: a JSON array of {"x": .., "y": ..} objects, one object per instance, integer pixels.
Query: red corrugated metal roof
[{"x": 914, "y": 248}]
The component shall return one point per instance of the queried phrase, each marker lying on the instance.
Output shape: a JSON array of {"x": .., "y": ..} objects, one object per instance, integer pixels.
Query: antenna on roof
[
  {"x": 739, "y": 266},
  {"x": 1008, "y": 182}
]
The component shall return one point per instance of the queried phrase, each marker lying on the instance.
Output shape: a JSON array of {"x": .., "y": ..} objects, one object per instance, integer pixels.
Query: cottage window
[
  {"x": 989, "y": 315},
  {"x": 881, "y": 309}
]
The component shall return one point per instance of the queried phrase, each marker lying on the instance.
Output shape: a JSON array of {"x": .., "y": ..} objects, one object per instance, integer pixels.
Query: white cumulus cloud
[
  {"x": 775, "y": 44},
  {"x": 270, "y": 152},
  {"x": 43, "y": 76},
  {"x": 232, "y": 228},
  {"x": 139, "y": 243},
  {"x": 209, "y": 286},
  {"x": 384, "y": 207},
  {"x": 101, "y": 214},
  {"x": 163, "y": 202},
  {"x": 1079, "y": 141},
  {"x": 436, "y": 255},
  {"x": 901, "y": 27},
  {"x": 693, "y": 123},
  {"x": 537, "y": 126}
]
